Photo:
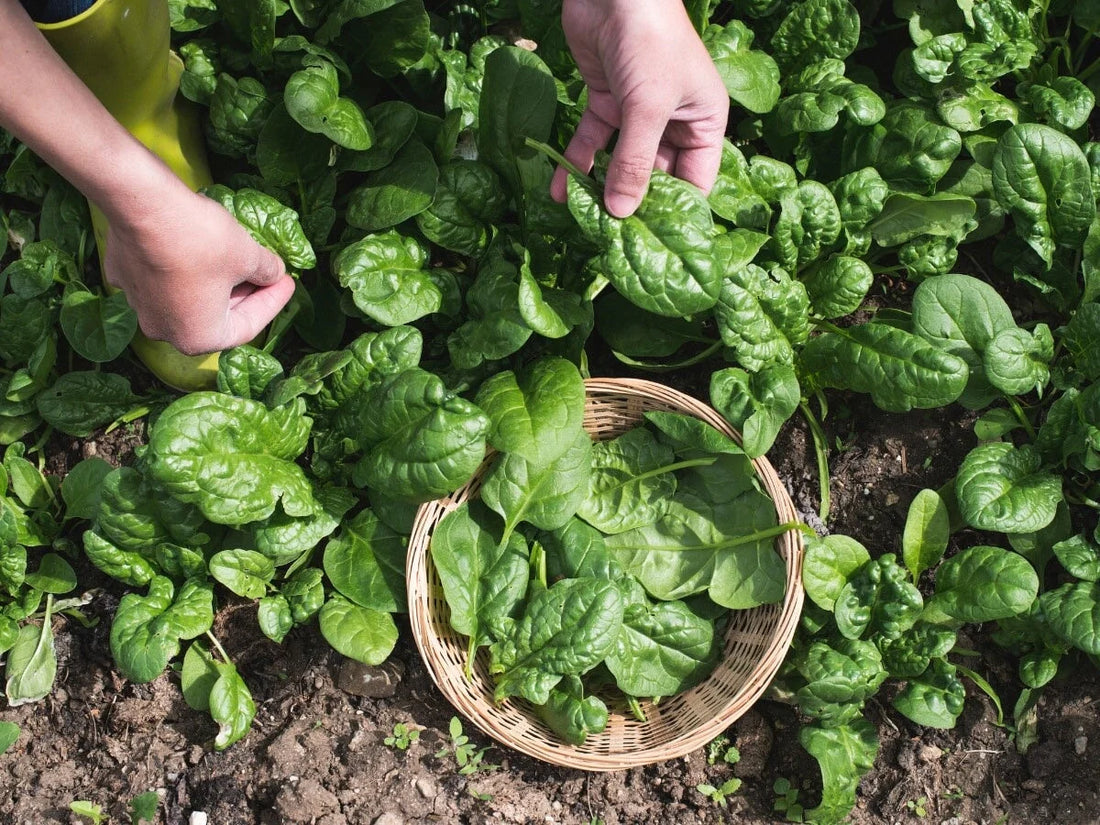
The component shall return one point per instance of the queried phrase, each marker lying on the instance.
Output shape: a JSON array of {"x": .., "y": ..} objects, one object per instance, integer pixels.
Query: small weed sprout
[
  {"x": 90, "y": 810},
  {"x": 403, "y": 736},
  {"x": 786, "y": 800},
  {"x": 719, "y": 794},
  {"x": 918, "y": 807},
  {"x": 721, "y": 749},
  {"x": 468, "y": 757}
]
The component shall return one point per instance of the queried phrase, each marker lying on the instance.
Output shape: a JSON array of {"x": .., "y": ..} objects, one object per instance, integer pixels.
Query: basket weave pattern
[{"x": 756, "y": 640}]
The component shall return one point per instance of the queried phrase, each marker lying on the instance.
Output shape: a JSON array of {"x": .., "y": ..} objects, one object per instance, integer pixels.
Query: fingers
[
  {"x": 700, "y": 165},
  {"x": 252, "y": 310},
  {"x": 633, "y": 159},
  {"x": 592, "y": 135}
]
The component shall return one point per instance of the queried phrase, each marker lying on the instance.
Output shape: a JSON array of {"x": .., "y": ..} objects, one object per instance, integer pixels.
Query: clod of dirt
[
  {"x": 373, "y": 682},
  {"x": 305, "y": 801}
]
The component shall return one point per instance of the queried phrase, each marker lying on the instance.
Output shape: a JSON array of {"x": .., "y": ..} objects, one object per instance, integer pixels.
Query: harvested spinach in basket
[{"x": 592, "y": 571}]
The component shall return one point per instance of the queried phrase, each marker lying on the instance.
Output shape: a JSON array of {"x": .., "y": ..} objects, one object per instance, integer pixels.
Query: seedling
[
  {"x": 402, "y": 737},
  {"x": 722, "y": 750},
  {"x": 143, "y": 807},
  {"x": 918, "y": 806},
  {"x": 786, "y": 800},
  {"x": 85, "y": 808},
  {"x": 468, "y": 757},
  {"x": 719, "y": 794}
]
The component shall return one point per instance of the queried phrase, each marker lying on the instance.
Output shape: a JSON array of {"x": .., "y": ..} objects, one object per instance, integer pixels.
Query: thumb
[
  {"x": 267, "y": 267},
  {"x": 253, "y": 309}
]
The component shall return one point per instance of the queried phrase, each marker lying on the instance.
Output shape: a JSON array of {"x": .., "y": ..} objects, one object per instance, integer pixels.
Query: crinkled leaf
[
  {"x": 387, "y": 277},
  {"x": 396, "y": 192},
  {"x": 469, "y": 201},
  {"x": 751, "y": 77},
  {"x": 1004, "y": 488},
  {"x": 566, "y": 631},
  {"x": 245, "y": 572},
  {"x": 312, "y": 97},
  {"x": 1042, "y": 178},
  {"x": 147, "y": 630},
  {"x": 1073, "y": 612},
  {"x": 898, "y": 369},
  {"x": 631, "y": 482},
  {"x": 421, "y": 440},
  {"x": 829, "y": 562},
  {"x": 535, "y": 412},
  {"x": 232, "y": 458},
  {"x": 1018, "y": 361},
  {"x": 844, "y": 754},
  {"x": 270, "y": 222},
  {"x": 934, "y": 699},
  {"x": 982, "y": 584},
  {"x": 661, "y": 650},
  {"x": 660, "y": 257}
]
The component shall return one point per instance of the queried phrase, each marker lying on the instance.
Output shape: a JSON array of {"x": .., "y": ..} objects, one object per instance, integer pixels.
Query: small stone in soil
[{"x": 377, "y": 682}]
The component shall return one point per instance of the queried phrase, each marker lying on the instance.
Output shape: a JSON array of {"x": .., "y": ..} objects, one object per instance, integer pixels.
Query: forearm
[{"x": 48, "y": 108}]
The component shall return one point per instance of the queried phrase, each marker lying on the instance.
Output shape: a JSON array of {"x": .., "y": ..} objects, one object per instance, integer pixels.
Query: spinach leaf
[
  {"x": 231, "y": 457},
  {"x": 360, "y": 633},
  {"x": 661, "y": 650},
  {"x": 566, "y": 630},
  {"x": 1003, "y": 488},
  {"x": 572, "y": 715},
  {"x": 535, "y": 413},
  {"x": 387, "y": 277},
  {"x": 981, "y": 584},
  {"x": 1042, "y": 178},
  {"x": 365, "y": 562},
  {"x": 898, "y": 369},
  {"x": 632, "y": 482},
  {"x": 483, "y": 578},
  {"x": 147, "y": 630},
  {"x": 420, "y": 440},
  {"x": 661, "y": 257}
]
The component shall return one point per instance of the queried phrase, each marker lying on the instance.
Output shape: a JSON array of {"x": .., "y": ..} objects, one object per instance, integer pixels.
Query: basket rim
[{"x": 486, "y": 715}]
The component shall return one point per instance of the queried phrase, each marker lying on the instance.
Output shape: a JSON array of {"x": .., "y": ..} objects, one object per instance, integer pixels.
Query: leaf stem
[
  {"x": 821, "y": 453},
  {"x": 1021, "y": 416},
  {"x": 218, "y": 645},
  {"x": 557, "y": 157}
]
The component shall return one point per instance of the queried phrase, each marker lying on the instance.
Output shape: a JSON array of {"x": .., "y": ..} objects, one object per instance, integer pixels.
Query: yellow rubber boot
[{"x": 121, "y": 50}]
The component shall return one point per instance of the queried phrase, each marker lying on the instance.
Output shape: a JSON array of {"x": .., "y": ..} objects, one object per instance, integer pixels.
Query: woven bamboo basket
[{"x": 755, "y": 643}]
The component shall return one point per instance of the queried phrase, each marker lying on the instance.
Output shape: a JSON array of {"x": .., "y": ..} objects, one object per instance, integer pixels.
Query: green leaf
[
  {"x": 231, "y": 457},
  {"x": 518, "y": 101},
  {"x": 1073, "y": 612},
  {"x": 815, "y": 29},
  {"x": 1017, "y": 361},
  {"x": 877, "y": 600},
  {"x": 312, "y": 97},
  {"x": 962, "y": 315},
  {"x": 469, "y": 201},
  {"x": 926, "y": 533},
  {"x": 934, "y": 699},
  {"x": 838, "y": 285},
  {"x": 546, "y": 496},
  {"x": 982, "y": 584},
  {"x": 198, "y": 675},
  {"x": 844, "y": 754},
  {"x": 906, "y": 216},
  {"x": 31, "y": 665},
  {"x": 751, "y": 77},
  {"x": 82, "y": 487},
  {"x": 396, "y": 192},
  {"x": 231, "y": 706},
  {"x": 1004, "y": 488},
  {"x": 631, "y": 483},
  {"x": 365, "y": 561},
  {"x": 274, "y": 617},
  {"x": 484, "y": 579},
  {"x": 566, "y": 630},
  {"x": 421, "y": 440},
  {"x": 536, "y": 412},
  {"x": 246, "y": 372},
  {"x": 661, "y": 257},
  {"x": 270, "y": 222},
  {"x": 829, "y": 563},
  {"x": 1042, "y": 178},
  {"x": 9, "y": 733},
  {"x": 98, "y": 327},
  {"x": 54, "y": 575},
  {"x": 898, "y": 369},
  {"x": 763, "y": 316},
  {"x": 359, "y": 633},
  {"x": 661, "y": 650},
  {"x": 245, "y": 572},
  {"x": 79, "y": 403},
  {"x": 147, "y": 630},
  {"x": 757, "y": 404},
  {"x": 387, "y": 277},
  {"x": 572, "y": 715}
]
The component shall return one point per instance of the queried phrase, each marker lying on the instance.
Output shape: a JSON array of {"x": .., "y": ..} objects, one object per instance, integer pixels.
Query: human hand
[
  {"x": 650, "y": 77},
  {"x": 193, "y": 274}
]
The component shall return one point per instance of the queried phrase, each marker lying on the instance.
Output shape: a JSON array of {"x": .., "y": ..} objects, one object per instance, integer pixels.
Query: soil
[{"x": 316, "y": 752}]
